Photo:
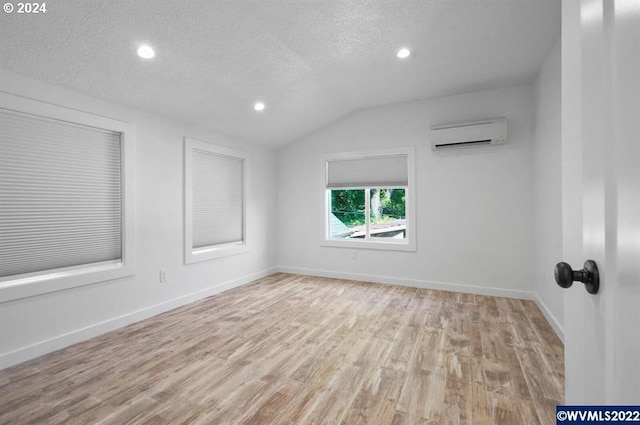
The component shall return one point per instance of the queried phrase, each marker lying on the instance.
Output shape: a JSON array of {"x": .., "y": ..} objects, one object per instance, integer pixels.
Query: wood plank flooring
[{"x": 292, "y": 349}]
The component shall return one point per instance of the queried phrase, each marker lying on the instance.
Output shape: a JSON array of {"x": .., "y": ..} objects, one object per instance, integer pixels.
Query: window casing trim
[
  {"x": 409, "y": 244},
  {"x": 33, "y": 284},
  {"x": 195, "y": 255}
]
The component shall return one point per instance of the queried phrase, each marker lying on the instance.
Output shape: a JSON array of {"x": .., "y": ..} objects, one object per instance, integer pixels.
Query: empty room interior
[{"x": 317, "y": 212}]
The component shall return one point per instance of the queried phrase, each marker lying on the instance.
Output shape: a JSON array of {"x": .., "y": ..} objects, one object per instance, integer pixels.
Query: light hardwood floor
[{"x": 292, "y": 349}]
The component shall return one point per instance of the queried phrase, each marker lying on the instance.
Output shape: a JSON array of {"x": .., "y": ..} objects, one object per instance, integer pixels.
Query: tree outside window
[{"x": 368, "y": 213}]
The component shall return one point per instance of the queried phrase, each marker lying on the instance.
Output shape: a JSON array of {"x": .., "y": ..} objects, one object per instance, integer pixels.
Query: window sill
[
  {"x": 43, "y": 283},
  {"x": 368, "y": 244},
  {"x": 211, "y": 253}
]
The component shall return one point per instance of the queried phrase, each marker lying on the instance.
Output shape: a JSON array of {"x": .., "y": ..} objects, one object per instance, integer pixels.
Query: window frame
[
  {"x": 47, "y": 281},
  {"x": 408, "y": 244},
  {"x": 196, "y": 255}
]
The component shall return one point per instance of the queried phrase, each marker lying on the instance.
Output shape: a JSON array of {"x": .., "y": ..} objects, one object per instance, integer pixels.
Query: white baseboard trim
[
  {"x": 414, "y": 283},
  {"x": 47, "y": 346},
  {"x": 553, "y": 321}
]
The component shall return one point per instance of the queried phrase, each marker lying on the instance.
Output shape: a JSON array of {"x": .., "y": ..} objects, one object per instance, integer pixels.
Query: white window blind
[
  {"x": 217, "y": 199},
  {"x": 60, "y": 194},
  {"x": 383, "y": 171}
]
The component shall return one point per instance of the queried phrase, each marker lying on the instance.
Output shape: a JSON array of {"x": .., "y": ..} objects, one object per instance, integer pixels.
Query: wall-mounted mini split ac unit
[{"x": 477, "y": 133}]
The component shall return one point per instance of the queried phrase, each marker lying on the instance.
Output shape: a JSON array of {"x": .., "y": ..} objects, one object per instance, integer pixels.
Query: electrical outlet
[
  {"x": 163, "y": 275},
  {"x": 354, "y": 255}
]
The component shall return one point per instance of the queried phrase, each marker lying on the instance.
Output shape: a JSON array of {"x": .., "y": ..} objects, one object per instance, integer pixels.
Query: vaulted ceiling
[{"x": 310, "y": 61}]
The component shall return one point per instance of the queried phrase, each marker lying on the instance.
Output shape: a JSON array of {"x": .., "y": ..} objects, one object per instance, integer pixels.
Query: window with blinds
[
  {"x": 370, "y": 199},
  {"x": 66, "y": 198},
  {"x": 214, "y": 201},
  {"x": 390, "y": 170},
  {"x": 61, "y": 192}
]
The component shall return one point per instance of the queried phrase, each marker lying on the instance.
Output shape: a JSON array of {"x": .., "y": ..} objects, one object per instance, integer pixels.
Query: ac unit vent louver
[{"x": 476, "y": 133}]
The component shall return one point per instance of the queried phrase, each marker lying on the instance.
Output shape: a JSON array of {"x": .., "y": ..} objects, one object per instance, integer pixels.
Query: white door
[{"x": 601, "y": 197}]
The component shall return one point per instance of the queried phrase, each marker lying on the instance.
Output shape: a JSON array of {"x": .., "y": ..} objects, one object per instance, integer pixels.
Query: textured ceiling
[{"x": 311, "y": 62}]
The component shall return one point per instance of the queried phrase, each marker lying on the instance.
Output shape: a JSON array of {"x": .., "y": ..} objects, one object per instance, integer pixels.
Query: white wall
[
  {"x": 32, "y": 326},
  {"x": 474, "y": 205},
  {"x": 547, "y": 182}
]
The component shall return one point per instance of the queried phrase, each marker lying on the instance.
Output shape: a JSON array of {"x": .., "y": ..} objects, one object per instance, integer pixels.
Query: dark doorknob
[{"x": 589, "y": 275}]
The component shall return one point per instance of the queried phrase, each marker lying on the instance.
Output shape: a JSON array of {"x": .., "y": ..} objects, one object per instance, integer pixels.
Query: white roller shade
[
  {"x": 384, "y": 171},
  {"x": 60, "y": 194},
  {"x": 217, "y": 199}
]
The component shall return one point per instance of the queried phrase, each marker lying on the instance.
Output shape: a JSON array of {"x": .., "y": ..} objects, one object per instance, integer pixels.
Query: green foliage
[
  {"x": 349, "y": 205},
  {"x": 393, "y": 204}
]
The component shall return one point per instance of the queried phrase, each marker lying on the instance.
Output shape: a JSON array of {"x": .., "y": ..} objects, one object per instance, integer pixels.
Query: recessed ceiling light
[
  {"x": 259, "y": 106},
  {"x": 146, "y": 52},
  {"x": 403, "y": 53}
]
